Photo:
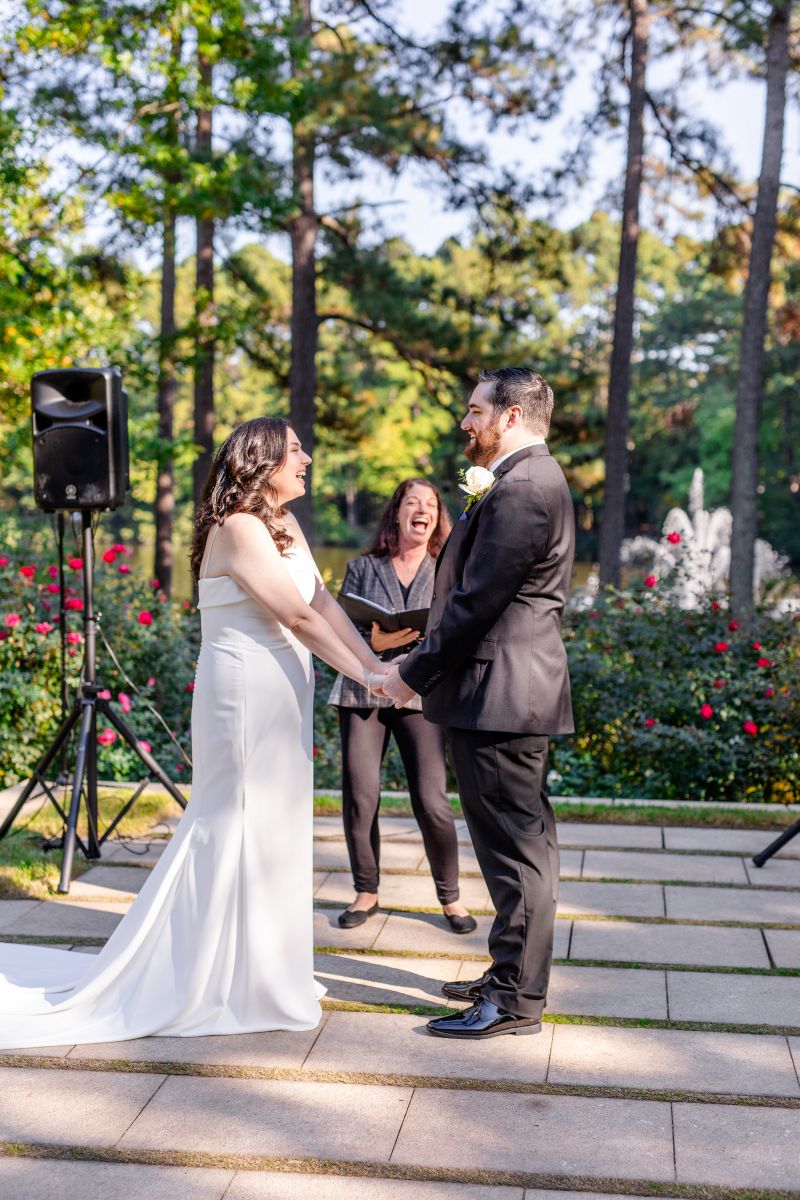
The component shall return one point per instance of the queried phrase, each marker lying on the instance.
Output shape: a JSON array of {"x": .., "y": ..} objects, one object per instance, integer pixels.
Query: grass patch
[{"x": 28, "y": 871}]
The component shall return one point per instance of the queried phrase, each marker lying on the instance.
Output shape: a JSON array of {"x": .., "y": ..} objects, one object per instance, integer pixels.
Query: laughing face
[
  {"x": 483, "y": 427},
  {"x": 289, "y": 481},
  {"x": 417, "y": 515}
]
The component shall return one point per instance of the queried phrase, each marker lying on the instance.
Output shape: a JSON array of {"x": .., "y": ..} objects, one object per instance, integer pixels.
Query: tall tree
[
  {"x": 303, "y": 227},
  {"x": 749, "y": 392},
  {"x": 204, "y": 339},
  {"x": 612, "y": 529}
]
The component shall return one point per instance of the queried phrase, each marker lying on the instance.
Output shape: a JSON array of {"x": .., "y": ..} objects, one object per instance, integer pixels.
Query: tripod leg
[
  {"x": 39, "y": 770},
  {"x": 92, "y": 844},
  {"x": 774, "y": 847},
  {"x": 77, "y": 783},
  {"x": 130, "y": 737}
]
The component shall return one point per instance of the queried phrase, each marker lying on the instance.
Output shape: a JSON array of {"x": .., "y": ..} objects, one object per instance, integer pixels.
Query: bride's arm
[
  {"x": 334, "y": 614},
  {"x": 248, "y": 554}
]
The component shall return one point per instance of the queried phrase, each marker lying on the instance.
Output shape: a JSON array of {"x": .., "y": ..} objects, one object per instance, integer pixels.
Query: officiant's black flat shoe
[
  {"x": 349, "y": 919},
  {"x": 482, "y": 1020},
  {"x": 458, "y": 924},
  {"x": 468, "y": 990}
]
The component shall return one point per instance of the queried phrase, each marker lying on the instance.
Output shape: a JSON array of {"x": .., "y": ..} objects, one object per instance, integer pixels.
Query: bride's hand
[{"x": 374, "y": 681}]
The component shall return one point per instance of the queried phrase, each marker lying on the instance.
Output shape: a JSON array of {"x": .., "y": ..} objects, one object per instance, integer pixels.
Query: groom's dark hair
[{"x": 522, "y": 386}]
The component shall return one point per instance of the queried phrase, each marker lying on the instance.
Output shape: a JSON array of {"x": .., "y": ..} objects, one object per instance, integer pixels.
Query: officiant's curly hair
[
  {"x": 387, "y": 538},
  {"x": 239, "y": 482}
]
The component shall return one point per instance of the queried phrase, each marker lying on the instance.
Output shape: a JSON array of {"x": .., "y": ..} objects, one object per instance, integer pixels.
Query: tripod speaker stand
[{"x": 88, "y": 703}]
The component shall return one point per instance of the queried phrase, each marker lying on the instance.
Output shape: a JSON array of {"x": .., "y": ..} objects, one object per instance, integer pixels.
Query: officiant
[{"x": 396, "y": 572}]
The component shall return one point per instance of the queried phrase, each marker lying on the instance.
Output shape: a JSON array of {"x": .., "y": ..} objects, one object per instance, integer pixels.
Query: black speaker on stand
[{"x": 80, "y": 465}]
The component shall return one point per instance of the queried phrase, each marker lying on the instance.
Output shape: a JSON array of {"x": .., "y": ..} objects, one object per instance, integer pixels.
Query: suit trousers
[
  {"x": 502, "y": 782},
  {"x": 365, "y": 734}
]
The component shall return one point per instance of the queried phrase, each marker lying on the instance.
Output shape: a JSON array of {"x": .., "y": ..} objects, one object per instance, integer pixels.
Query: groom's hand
[{"x": 395, "y": 688}]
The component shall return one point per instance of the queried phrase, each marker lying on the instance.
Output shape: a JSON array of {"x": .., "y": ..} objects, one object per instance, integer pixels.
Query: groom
[{"x": 492, "y": 670}]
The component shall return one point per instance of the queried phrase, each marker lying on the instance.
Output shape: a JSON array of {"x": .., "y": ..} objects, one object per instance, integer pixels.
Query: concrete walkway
[{"x": 671, "y": 1053}]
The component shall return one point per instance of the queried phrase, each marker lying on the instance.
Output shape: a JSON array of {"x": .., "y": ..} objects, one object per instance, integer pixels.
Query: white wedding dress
[{"x": 220, "y": 939}]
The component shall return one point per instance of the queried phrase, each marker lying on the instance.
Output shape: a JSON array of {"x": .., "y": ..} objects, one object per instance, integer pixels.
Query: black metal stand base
[
  {"x": 774, "y": 847},
  {"x": 84, "y": 713}
]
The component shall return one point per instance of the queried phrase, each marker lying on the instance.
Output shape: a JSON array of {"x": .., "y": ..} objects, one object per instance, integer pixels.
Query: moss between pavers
[{"x": 360, "y": 1170}]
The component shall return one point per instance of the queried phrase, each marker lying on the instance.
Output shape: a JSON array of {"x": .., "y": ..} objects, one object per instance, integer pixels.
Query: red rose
[
  {"x": 189, "y": 687},
  {"x": 27, "y": 572},
  {"x": 706, "y": 711},
  {"x": 75, "y": 563},
  {"x": 73, "y": 637},
  {"x": 4, "y": 560},
  {"x": 769, "y": 691},
  {"x": 109, "y": 556},
  {"x": 119, "y": 548},
  {"x": 650, "y": 721},
  {"x": 651, "y": 581},
  {"x": 721, "y": 647},
  {"x": 53, "y": 587},
  {"x": 756, "y": 645},
  {"x": 674, "y": 538},
  {"x": 124, "y": 569},
  {"x": 75, "y": 603},
  {"x": 718, "y": 683},
  {"x": 764, "y": 662},
  {"x": 733, "y": 625},
  {"x": 155, "y": 583},
  {"x": 3, "y": 634},
  {"x": 714, "y": 606},
  {"x": 750, "y": 728},
  {"x": 52, "y": 572},
  {"x": 145, "y": 618},
  {"x": 107, "y": 737}
]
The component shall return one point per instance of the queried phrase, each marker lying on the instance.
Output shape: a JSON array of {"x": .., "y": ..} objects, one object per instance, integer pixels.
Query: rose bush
[{"x": 155, "y": 641}]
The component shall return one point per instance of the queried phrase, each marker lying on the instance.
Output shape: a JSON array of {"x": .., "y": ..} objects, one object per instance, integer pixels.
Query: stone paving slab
[
  {"x": 737, "y": 1146},
  {"x": 255, "y": 1116},
  {"x": 277, "y": 1049},
  {"x": 577, "y": 833},
  {"x": 606, "y": 992},
  {"x": 733, "y": 904},
  {"x": 255, "y": 1185},
  {"x": 734, "y": 999},
  {"x": 40, "y": 1179},
  {"x": 693, "y": 868},
  {"x": 85, "y": 1108},
  {"x": 410, "y": 891},
  {"x": 610, "y": 899},
  {"x": 776, "y": 872},
  {"x": 12, "y": 911},
  {"x": 395, "y": 1044},
  {"x": 381, "y": 979},
  {"x": 428, "y": 934},
  {"x": 109, "y": 883},
  {"x": 327, "y": 931},
  {"x": 746, "y": 1064},
  {"x": 560, "y": 1134},
  {"x": 784, "y": 946},
  {"x": 693, "y": 945},
  {"x": 399, "y": 856},
  {"x": 139, "y": 852},
  {"x": 63, "y": 918},
  {"x": 737, "y": 841}
]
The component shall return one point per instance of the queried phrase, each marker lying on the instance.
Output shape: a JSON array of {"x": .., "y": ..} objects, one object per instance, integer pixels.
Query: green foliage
[{"x": 681, "y": 705}]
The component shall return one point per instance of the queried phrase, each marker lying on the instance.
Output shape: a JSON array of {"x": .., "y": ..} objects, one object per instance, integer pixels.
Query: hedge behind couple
[{"x": 220, "y": 939}]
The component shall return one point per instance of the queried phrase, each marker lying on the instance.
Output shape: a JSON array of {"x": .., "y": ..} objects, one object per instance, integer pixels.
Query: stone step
[{"x": 429, "y": 1128}]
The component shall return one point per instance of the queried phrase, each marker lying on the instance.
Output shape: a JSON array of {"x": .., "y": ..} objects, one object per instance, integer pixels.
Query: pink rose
[
  {"x": 109, "y": 556},
  {"x": 13, "y": 619},
  {"x": 674, "y": 538},
  {"x": 73, "y": 637},
  {"x": 107, "y": 737},
  {"x": 124, "y": 569},
  {"x": 53, "y": 588},
  {"x": 151, "y": 681},
  {"x": 44, "y": 627},
  {"x": 53, "y": 572},
  {"x": 750, "y": 728},
  {"x": 75, "y": 563},
  {"x": 104, "y": 695},
  {"x": 145, "y": 618},
  {"x": 145, "y": 745},
  {"x": 706, "y": 711},
  {"x": 124, "y": 702},
  {"x": 650, "y": 581},
  {"x": 4, "y": 560}
]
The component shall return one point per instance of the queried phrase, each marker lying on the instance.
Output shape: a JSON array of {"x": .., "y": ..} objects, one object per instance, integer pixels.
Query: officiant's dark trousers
[
  {"x": 365, "y": 736},
  {"x": 502, "y": 781}
]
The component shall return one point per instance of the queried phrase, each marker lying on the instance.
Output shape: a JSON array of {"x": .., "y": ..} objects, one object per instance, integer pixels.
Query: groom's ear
[{"x": 515, "y": 415}]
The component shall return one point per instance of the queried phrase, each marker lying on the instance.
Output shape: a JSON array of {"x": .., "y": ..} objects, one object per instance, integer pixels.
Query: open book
[{"x": 366, "y": 611}]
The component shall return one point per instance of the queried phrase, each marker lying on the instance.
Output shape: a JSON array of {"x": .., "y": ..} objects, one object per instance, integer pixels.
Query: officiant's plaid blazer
[{"x": 373, "y": 577}]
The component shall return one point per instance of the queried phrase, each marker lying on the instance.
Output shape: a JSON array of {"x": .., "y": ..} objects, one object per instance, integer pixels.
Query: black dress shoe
[
  {"x": 458, "y": 924},
  {"x": 468, "y": 990},
  {"x": 350, "y": 918},
  {"x": 483, "y": 1020}
]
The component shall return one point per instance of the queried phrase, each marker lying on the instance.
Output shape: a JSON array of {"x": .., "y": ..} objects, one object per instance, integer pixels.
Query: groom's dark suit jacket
[{"x": 492, "y": 657}]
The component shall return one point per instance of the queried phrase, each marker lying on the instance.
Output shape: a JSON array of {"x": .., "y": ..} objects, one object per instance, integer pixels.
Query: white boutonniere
[{"x": 476, "y": 483}]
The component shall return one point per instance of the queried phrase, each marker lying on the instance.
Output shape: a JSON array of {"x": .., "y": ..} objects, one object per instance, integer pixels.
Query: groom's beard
[{"x": 486, "y": 447}]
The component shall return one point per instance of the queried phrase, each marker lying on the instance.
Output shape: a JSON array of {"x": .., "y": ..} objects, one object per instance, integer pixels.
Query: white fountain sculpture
[{"x": 693, "y": 558}]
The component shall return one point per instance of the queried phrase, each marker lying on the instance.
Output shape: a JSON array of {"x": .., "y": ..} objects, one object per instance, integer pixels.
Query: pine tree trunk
[
  {"x": 167, "y": 393},
  {"x": 303, "y": 231},
  {"x": 744, "y": 496},
  {"x": 612, "y": 528},
  {"x": 204, "y": 349}
]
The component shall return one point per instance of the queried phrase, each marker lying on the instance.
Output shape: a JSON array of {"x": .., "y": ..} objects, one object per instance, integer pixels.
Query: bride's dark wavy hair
[{"x": 239, "y": 482}]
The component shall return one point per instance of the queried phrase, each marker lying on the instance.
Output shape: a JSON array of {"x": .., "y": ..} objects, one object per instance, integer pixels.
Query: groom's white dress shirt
[{"x": 537, "y": 441}]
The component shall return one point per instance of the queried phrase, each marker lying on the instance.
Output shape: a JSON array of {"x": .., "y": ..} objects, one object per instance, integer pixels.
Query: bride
[{"x": 220, "y": 939}]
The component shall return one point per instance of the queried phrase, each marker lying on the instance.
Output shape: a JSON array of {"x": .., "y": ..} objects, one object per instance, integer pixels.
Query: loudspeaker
[{"x": 80, "y": 438}]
